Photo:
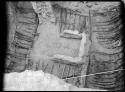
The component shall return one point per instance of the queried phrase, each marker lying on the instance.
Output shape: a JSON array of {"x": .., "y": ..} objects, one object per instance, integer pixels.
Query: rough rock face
[
  {"x": 83, "y": 7},
  {"x": 22, "y": 27},
  {"x": 105, "y": 28},
  {"x": 50, "y": 42},
  {"x": 101, "y": 21},
  {"x": 107, "y": 53}
]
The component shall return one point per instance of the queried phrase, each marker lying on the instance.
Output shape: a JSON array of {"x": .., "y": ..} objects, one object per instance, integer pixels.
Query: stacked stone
[
  {"x": 24, "y": 33},
  {"x": 107, "y": 55}
]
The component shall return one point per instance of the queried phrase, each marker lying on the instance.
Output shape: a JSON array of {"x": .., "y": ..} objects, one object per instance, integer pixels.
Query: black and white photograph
[{"x": 65, "y": 46}]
